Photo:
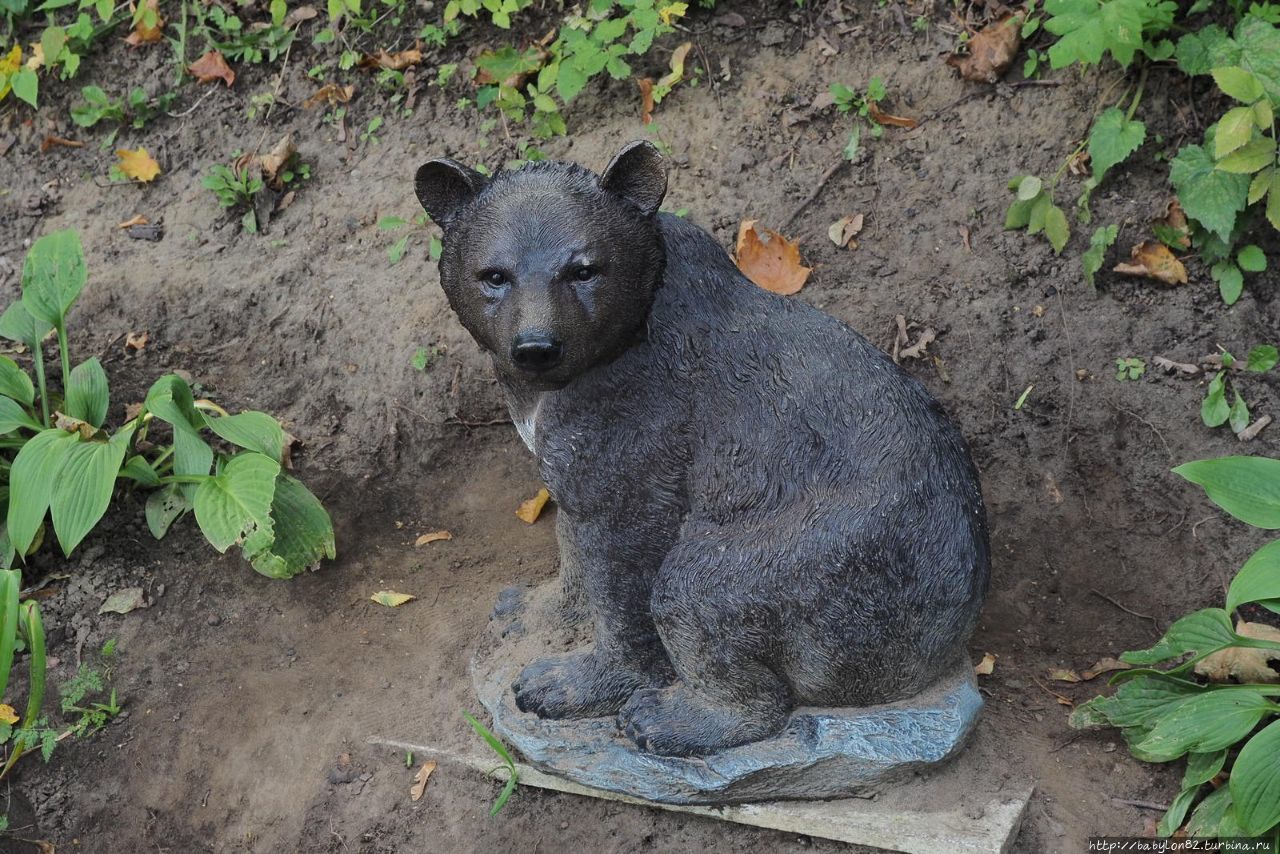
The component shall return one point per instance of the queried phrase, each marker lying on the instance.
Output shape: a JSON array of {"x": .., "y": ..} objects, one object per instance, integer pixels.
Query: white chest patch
[{"x": 527, "y": 422}]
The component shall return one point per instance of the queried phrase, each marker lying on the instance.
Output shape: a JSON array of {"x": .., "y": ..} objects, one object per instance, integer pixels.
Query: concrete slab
[{"x": 988, "y": 825}]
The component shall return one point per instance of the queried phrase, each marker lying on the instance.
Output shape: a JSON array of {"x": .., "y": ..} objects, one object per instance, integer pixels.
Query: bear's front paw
[
  {"x": 577, "y": 686},
  {"x": 676, "y": 721}
]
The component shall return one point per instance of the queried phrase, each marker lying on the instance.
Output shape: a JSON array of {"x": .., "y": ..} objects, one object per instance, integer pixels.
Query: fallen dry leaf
[
  {"x": 843, "y": 230},
  {"x": 1063, "y": 675},
  {"x": 398, "y": 61},
  {"x": 1251, "y": 432},
  {"x": 124, "y": 601},
  {"x": 137, "y": 219},
  {"x": 1243, "y": 665},
  {"x": 773, "y": 265},
  {"x": 7, "y": 714},
  {"x": 646, "y": 99},
  {"x": 1175, "y": 221},
  {"x": 1078, "y": 163},
  {"x": 298, "y": 15},
  {"x": 677, "y": 66},
  {"x": 420, "y": 779},
  {"x": 144, "y": 32},
  {"x": 137, "y": 164},
  {"x": 392, "y": 599},
  {"x": 1169, "y": 366},
  {"x": 987, "y": 665},
  {"x": 1105, "y": 665},
  {"x": 50, "y": 141},
  {"x": 434, "y": 536},
  {"x": 331, "y": 94},
  {"x": 991, "y": 51},
  {"x": 276, "y": 159},
  {"x": 530, "y": 510},
  {"x": 211, "y": 67},
  {"x": 881, "y": 117},
  {"x": 1153, "y": 260},
  {"x": 136, "y": 341}
]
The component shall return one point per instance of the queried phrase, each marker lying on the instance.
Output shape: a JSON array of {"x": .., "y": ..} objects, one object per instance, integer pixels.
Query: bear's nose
[{"x": 536, "y": 351}]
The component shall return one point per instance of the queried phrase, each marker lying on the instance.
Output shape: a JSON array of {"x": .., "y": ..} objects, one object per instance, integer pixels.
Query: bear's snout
[{"x": 536, "y": 351}]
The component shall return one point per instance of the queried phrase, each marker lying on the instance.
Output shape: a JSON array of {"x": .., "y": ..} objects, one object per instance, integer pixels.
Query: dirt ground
[{"x": 241, "y": 692}]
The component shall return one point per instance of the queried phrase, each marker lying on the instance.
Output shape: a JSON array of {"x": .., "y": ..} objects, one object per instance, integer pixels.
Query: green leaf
[
  {"x": 87, "y": 396},
  {"x": 1172, "y": 819},
  {"x": 1251, "y": 157},
  {"x": 302, "y": 528},
  {"x": 1238, "y": 83},
  {"x": 26, "y": 86},
  {"x": 1255, "y": 782},
  {"x": 13, "y": 417},
  {"x": 1087, "y": 29},
  {"x": 83, "y": 486},
  {"x": 235, "y": 505},
  {"x": 1214, "y": 817},
  {"x": 1201, "y": 633},
  {"x": 169, "y": 399},
  {"x": 1199, "y": 52},
  {"x": 1239, "y": 416},
  {"x": 1230, "y": 281},
  {"x": 1258, "y": 579},
  {"x": 1214, "y": 410},
  {"x": 31, "y": 483},
  {"x": 53, "y": 276},
  {"x": 1138, "y": 702},
  {"x": 1234, "y": 129},
  {"x": 164, "y": 506},
  {"x": 1203, "y": 767},
  {"x": 17, "y": 324},
  {"x": 1208, "y": 195},
  {"x": 1262, "y": 358},
  {"x": 1258, "y": 43},
  {"x": 254, "y": 431},
  {"x": 1210, "y": 722},
  {"x": 570, "y": 81},
  {"x": 1029, "y": 187},
  {"x": 15, "y": 383},
  {"x": 1246, "y": 487},
  {"x": 1112, "y": 139},
  {"x": 1273, "y": 200},
  {"x": 1056, "y": 228},
  {"x": 1252, "y": 260},
  {"x": 1091, "y": 259},
  {"x": 138, "y": 469}
]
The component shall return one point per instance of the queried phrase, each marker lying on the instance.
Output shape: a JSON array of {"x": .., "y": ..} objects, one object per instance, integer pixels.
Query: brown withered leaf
[
  {"x": 987, "y": 666},
  {"x": 137, "y": 164},
  {"x": 210, "y": 67},
  {"x": 646, "y": 99},
  {"x": 420, "y": 779},
  {"x": 530, "y": 510},
  {"x": 1174, "y": 221},
  {"x": 144, "y": 32},
  {"x": 676, "y": 74},
  {"x": 434, "y": 536},
  {"x": 991, "y": 51},
  {"x": 397, "y": 61},
  {"x": 277, "y": 159},
  {"x": 136, "y": 219},
  {"x": 50, "y": 141},
  {"x": 298, "y": 15},
  {"x": 1240, "y": 664},
  {"x": 881, "y": 117},
  {"x": 772, "y": 263},
  {"x": 1064, "y": 675},
  {"x": 1104, "y": 665},
  {"x": 1078, "y": 163},
  {"x": 331, "y": 94},
  {"x": 843, "y": 230},
  {"x": 1153, "y": 260},
  {"x": 135, "y": 341}
]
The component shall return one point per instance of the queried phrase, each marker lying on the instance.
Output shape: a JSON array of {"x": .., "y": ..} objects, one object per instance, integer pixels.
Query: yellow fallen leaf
[
  {"x": 1153, "y": 260},
  {"x": 843, "y": 230},
  {"x": 138, "y": 219},
  {"x": 8, "y": 65},
  {"x": 1064, "y": 676},
  {"x": 331, "y": 94},
  {"x": 391, "y": 599},
  {"x": 7, "y": 714},
  {"x": 987, "y": 665},
  {"x": 420, "y": 779},
  {"x": 36, "y": 61},
  {"x": 432, "y": 537},
  {"x": 670, "y": 12},
  {"x": 530, "y": 510},
  {"x": 773, "y": 265},
  {"x": 1105, "y": 665},
  {"x": 137, "y": 164}
]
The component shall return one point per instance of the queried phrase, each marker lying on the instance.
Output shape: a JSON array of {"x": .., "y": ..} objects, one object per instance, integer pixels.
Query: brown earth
[{"x": 241, "y": 692}]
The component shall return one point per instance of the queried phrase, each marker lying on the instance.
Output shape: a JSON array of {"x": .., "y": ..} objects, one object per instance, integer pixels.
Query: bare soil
[{"x": 242, "y": 692}]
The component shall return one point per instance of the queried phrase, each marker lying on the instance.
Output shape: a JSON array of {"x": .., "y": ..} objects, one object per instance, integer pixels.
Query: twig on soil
[
  {"x": 1159, "y": 435},
  {"x": 1146, "y": 805},
  {"x": 1127, "y": 610},
  {"x": 1066, "y": 701},
  {"x": 817, "y": 190},
  {"x": 496, "y": 422},
  {"x": 189, "y": 110},
  {"x": 1071, "y": 739}
]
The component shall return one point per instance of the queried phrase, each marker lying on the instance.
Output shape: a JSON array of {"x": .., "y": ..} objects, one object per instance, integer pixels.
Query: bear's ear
[
  {"x": 445, "y": 186},
  {"x": 639, "y": 175}
]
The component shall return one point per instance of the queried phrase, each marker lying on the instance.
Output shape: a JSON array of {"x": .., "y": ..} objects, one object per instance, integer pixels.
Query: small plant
[
  {"x": 1130, "y": 369},
  {"x": 513, "y": 774},
  {"x": 59, "y": 462},
  {"x": 21, "y": 628},
  {"x": 395, "y": 252},
  {"x": 1214, "y": 410},
  {"x": 136, "y": 109},
  {"x": 848, "y": 100},
  {"x": 1220, "y": 728},
  {"x": 235, "y": 186},
  {"x": 425, "y": 357},
  {"x": 370, "y": 133},
  {"x": 89, "y": 715},
  {"x": 265, "y": 41}
]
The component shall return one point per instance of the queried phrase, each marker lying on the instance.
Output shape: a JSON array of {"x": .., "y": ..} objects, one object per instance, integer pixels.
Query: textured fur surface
[{"x": 759, "y": 509}]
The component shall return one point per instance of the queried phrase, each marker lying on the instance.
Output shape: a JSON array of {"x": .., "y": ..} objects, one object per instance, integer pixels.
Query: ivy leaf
[
  {"x": 1088, "y": 28},
  {"x": 1208, "y": 195},
  {"x": 1202, "y": 51},
  {"x": 1093, "y": 257},
  {"x": 1113, "y": 138}
]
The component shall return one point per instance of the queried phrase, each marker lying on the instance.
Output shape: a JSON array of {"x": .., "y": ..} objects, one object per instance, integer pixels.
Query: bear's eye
[
  {"x": 585, "y": 273},
  {"x": 493, "y": 278}
]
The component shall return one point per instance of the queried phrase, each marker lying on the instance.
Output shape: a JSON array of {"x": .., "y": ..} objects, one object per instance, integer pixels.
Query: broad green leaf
[
  {"x": 1273, "y": 200},
  {"x": 1029, "y": 187},
  {"x": 1239, "y": 415},
  {"x": 1200, "y": 633},
  {"x": 1258, "y": 43},
  {"x": 1234, "y": 129},
  {"x": 1201, "y": 51},
  {"x": 1246, "y": 487},
  {"x": 1019, "y": 215},
  {"x": 1208, "y": 195},
  {"x": 1112, "y": 139},
  {"x": 1040, "y": 207},
  {"x": 1214, "y": 817},
  {"x": 1251, "y": 157},
  {"x": 1056, "y": 228},
  {"x": 1230, "y": 281},
  {"x": 169, "y": 399},
  {"x": 1138, "y": 702},
  {"x": 1255, "y": 782},
  {"x": 7, "y": 552},
  {"x": 87, "y": 396},
  {"x": 302, "y": 528},
  {"x": 235, "y": 504},
  {"x": 15, "y": 383},
  {"x": 1214, "y": 409},
  {"x": 138, "y": 469},
  {"x": 1238, "y": 83},
  {"x": 1091, "y": 259},
  {"x": 82, "y": 488},
  {"x": 31, "y": 483},
  {"x": 1253, "y": 260},
  {"x": 163, "y": 507},
  {"x": 570, "y": 81},
  {"x": 17, "y": 324},
  {"x": 53, "y": 276},
  {"x": 13, "y": 417},
  {"x": 1087, "y": 30},
  {"x": 1210, "y": 722},
  {"x": 1203, "y": 767},
  {"x": 1172, "y": 819},
  {"x": 10, "y": 592},
  {"x": 255, "y": 431},
  {"x": 1258, "y": 579},
  {"x": 1262, "y": 358},
  {"x": 26, "y": 86}
]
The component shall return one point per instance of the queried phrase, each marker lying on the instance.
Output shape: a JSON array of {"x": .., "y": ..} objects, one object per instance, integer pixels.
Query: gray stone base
[{"x": 819, "y": 754}]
